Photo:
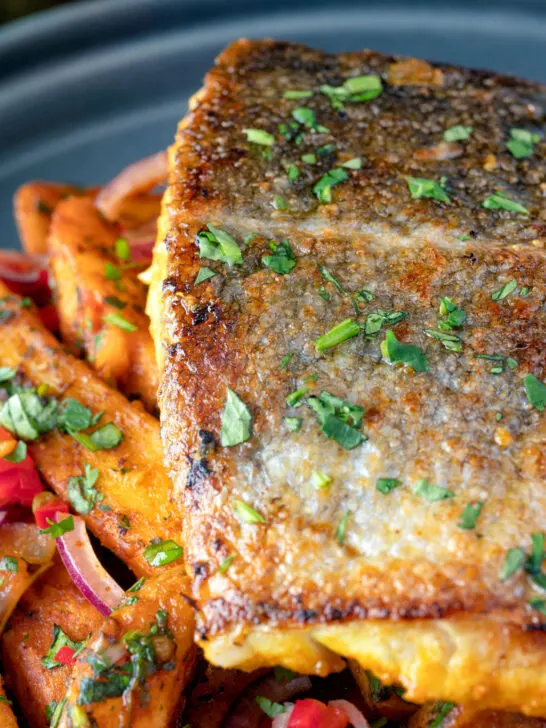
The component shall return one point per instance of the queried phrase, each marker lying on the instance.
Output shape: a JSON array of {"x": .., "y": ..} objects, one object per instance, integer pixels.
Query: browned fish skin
[{"x": 402, "y": 557}]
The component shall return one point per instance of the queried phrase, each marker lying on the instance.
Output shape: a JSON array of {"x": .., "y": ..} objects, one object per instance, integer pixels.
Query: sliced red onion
[
  {"x": 282, "y": 720},
  {"x": 356, "y": 719},
  {"x": 87, "y": 573},
  {"x": 134, "y": 179},
  {"x": 141, "y": 241}
]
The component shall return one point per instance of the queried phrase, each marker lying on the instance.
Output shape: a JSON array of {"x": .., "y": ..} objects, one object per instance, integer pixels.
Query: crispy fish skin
[{"x": 408, "y": 594}]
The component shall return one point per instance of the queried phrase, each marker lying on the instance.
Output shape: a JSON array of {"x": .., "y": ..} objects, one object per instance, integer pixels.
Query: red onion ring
[{"x": 356, "y": 719}]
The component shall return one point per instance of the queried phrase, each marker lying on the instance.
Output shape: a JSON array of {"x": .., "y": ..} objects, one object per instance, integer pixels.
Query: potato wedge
[
  {"x": 7, "y": 719},
  {"x": 51, "y": 600},
  {"x": 33, "y": 205},
  {"x": 458, "y": 717},
  {"x": 166, "y": 659},
  {"x": 132, "y": 480},
  {"x": 100, "y": 301}
]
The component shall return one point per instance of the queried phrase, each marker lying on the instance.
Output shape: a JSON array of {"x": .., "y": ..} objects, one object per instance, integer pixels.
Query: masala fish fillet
[{"x": 347, "y": 302}]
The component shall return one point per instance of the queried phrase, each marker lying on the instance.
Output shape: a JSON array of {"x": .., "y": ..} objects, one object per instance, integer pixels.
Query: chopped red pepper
[
  {"x": 311, "y": 713},
  {"x": 19, "y": 482},
  {"x": 66, "y": 655},
  {"x": 49, "y": 510}
]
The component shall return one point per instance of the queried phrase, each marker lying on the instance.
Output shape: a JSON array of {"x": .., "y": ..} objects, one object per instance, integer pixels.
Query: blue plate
[{"x": 86, "y": 89}]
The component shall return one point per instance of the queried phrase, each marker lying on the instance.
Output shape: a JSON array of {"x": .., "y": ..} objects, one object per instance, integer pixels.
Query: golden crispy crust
[{"x": 293, "y": 594}]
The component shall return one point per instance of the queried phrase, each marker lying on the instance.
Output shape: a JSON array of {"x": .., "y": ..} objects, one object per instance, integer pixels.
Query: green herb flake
[
  {"x": 61, "y": 639},
  {"x": 339, "y": 419},
  {"x": 216, "y": 244},
  {"x": 354, "y": 90},
  {"x": 117, "y": 319},
  {"x": 282, "y": 260},
  {"x": 9, "y": 563},
  {"x": 27, "y": 415},
  {"x": 297, "y": 94},
  {"x": 294, "y": 398},
  {"x": 292, "y": 172},
  {"x": 293, "y": 424},
  {"x": 325, "y": 273},
  {"x": 441, "y": 710},
  {"x": 259, "y": 136},
  {"x": 246, "y": 513},
  {"x": 320, "y": 480},
  {"x": 341, "y": 530},
  {"x": 309, "y": 158},
  {"x": 123, "y": 251},
  {"x": 355, "y": 163},
  {"x": 513, "y": 561},
  {"x": 106, "y": 437},
  {"x": 522, "y": 143},
  {"x": 236, "y": 421},
  {"x": 470, "y": 515},
  {"x": 499, "y": 201},
  {"x": 431, "y": 492},
  {"x": 397, "y": 352},
  {"x": 535, "y": 391},
  {"x": 538, "y": 605},
  {"x": 57, "y": 713},
  {"x": 343, "y": 331},
  {"x": 306, "y": 117},
  {"x": 457, "y": 133},
  {"x": 448, "y": 341},
  {"x": 376, "y": 320},
  {"x": 420, "y": 187},
  {"x": 285, "y": 361},
  {"x": 386, "y": 485},
  {"x": 204, "y": 274},
  {"x": 454, "y": 317},
  {"x": 6, "y": 374},
  {"x": 163, "y": 553},
  {"x": 226, "y": 563},
  {"x": 17, "y": 455},
  {"x": 524, "y": 291},
  {"x": 73, "y": 416},
  {"x": 137, "y": 586},
  {"x": 323, "y": 188},
  {"x": 504, "y": 290},
  {"x": 279, "y": 203},
  {"x": 82, "y": 494},
  {"x": 111, "y": 273},
  {"x": 56, "y": 530},
  {"x": 269, "y": 707},
  {"x": 115, "y": 302}
]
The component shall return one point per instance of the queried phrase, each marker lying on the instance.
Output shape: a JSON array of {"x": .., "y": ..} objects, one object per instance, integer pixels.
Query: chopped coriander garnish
[
  {"x": 259, "y": 136},
  {"x": 341, "y": 530},
  {"x": 320, "y": 480},
  {"x": 292, "y": 172},
  {"x": 535, "y": 391},
  {"x": 522, "y": 143},
  {"x": 293, "y": 424},
  {"x": 353, "y": 90},
  {"x": 60, "y": 640},
  {"x": 294, "y": 398},
  {"x": 204, "y": 274},
  {"x": 216, "y": 244},
  {"x": 339, "y": 419},
  {"x": 470, "y": 515},
  {"x": 376, "y": 320},
  {"x": 441, "y": 710},
  {"x": 73, "y": 416},
  {"x": 306, "y": 117},
  {"x": 386, "y": 485},
  {"x": 538, "y": 604},
  {"x": 269, "y": 707},
  {"x": 279, "y": 203},
  {"x": 115, "y": 302},
  {"x": 499, "y": 201},
  {"x": 420, "y": 187},
  {"x": 463, "y": 238},
  {"x": 297, "y": 94},
  {"x": 323, "y": 188},
  {"x": 397, "y": 352},
  {"x": 17, "y": 455},
  {"x": 286, "y": 360},
  {"x": 513, "y": 561},
  {"x": 282, "y": 260},
  {"x": 337, "y": 335},
  {"x": 117, "y": 319},
  {"x": 137, "y": 586},
  {"x": 236, "y": 421},
  {"x": 325, "y": 273},
  {"x": 57, "y": 712},
  {"x": 309, "y": 158},
  {"x": 504, "y": 291},
  {"x": 454, "y": 317},
  {"x": 524, "y": 291},
  {"x": 55, "y": 530},
  {"x": 82, "y": 494},
  {"x": 9, "y": 563},
  {"x": 163, "y": 553},
  {"x": 226, "y": 563},
  {"x": 106, "y": 437},
  {"x": 27, "y": 415},
  {"x": 457, "y": 133},
  {"x": 6, "y": 373},
  {"x": 123, "y": 251},
  {"x": 355, "y": 163},
  {"x": 431, "y": 492},
  {"x": 246, "y": 513},
  {"x": 448, "y": 341},
  {"x": 111, "y": 273}
]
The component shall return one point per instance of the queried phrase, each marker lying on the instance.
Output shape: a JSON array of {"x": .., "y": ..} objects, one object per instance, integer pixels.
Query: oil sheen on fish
[{"x": 388, "y": 499}]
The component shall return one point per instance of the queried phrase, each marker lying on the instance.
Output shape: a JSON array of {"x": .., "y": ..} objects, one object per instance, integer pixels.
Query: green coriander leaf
[
  {"x": 279, "y": 203},
  {"x": 320, "y": 480},
  {"x": 306, "y": 117},
  {"x": 7, "y": 373},
  {"x": 342, "y": 433},
  {"x": 259, "y": 136},
  {"x": 323, "y": 188},
  {"x": 363, "y": 84},
  {"x": 236, "y": 421},
  {"x": 341, "y": 530},
  {"x": 55, "y": 530},
  {"x": 296, "y": 94},
  {"x": 123, "y": 251},
  {"x": 538, "y": 604},
  {"x": 50, "y": 710},
  {"x": 397, "y": 352},
  {"x": 470, "y": 515},
  {"x": 337, "y": 335},
  {"x": 386, "y": 485},
  {"x": 269, "y": 707},
  {"x": 115, "y": 302},
  {"x": 431, "y": 492},
  {"x": 286, "y": 360},
  {"x": 309, "y": 158},
  {"x": 420, "y": 187},
  {"x": 293, "y": 424},
  {"x": 82, "y": 494},
  {"x": 56, "y": 717},
  {"x": 535, "y": 391},
  {"x": 17, "y": 455},
  {"x": 514, "y": 561},
  {"x": 246, "y": 513},
  {"x": 282, "y": 260},
  {"x": 457, "y": 133},
  {"x": 448, "y": 341},
  {"x": 216, "y": 244},
  {"x": 137, "y": 586},
  {"x": 106, "y": 437},
  {"x": 355, "y": 163},
  {"x": 294, "y": 398},
  {"x": 364, "y": 296},
  {"x": 504, "y": 291},
  {"x": 27, "y": 415},
  {"x": 117, "y": 319},
  {"x": 441, "y": 710},
  {"x": 73, "y": 416},
  {"x": 9, "y": 563},
  {"x": 536, "y": 557},
  {"x": 454, "y": 316},
  {"x": 522, "y": 143},
  {"x": 163, "y": 553},
  {"x": 292, "y": 172},
  {"x": 463, "y": 238},
  {"x": 376, "y": 320},
  {"x": 111, "y": 273},
  {"x": 524, "y": 291},
  {"x": 325, "y": 273},
  {"x": 226, "y": 563},
  {"x": 61, "y": 639},
  {"x": 204, "y": 274},
  {"x": 499, "y": 201}
]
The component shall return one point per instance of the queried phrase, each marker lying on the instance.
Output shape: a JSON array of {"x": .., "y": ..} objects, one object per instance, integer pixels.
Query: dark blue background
[{"x": 90, "y": 87}]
